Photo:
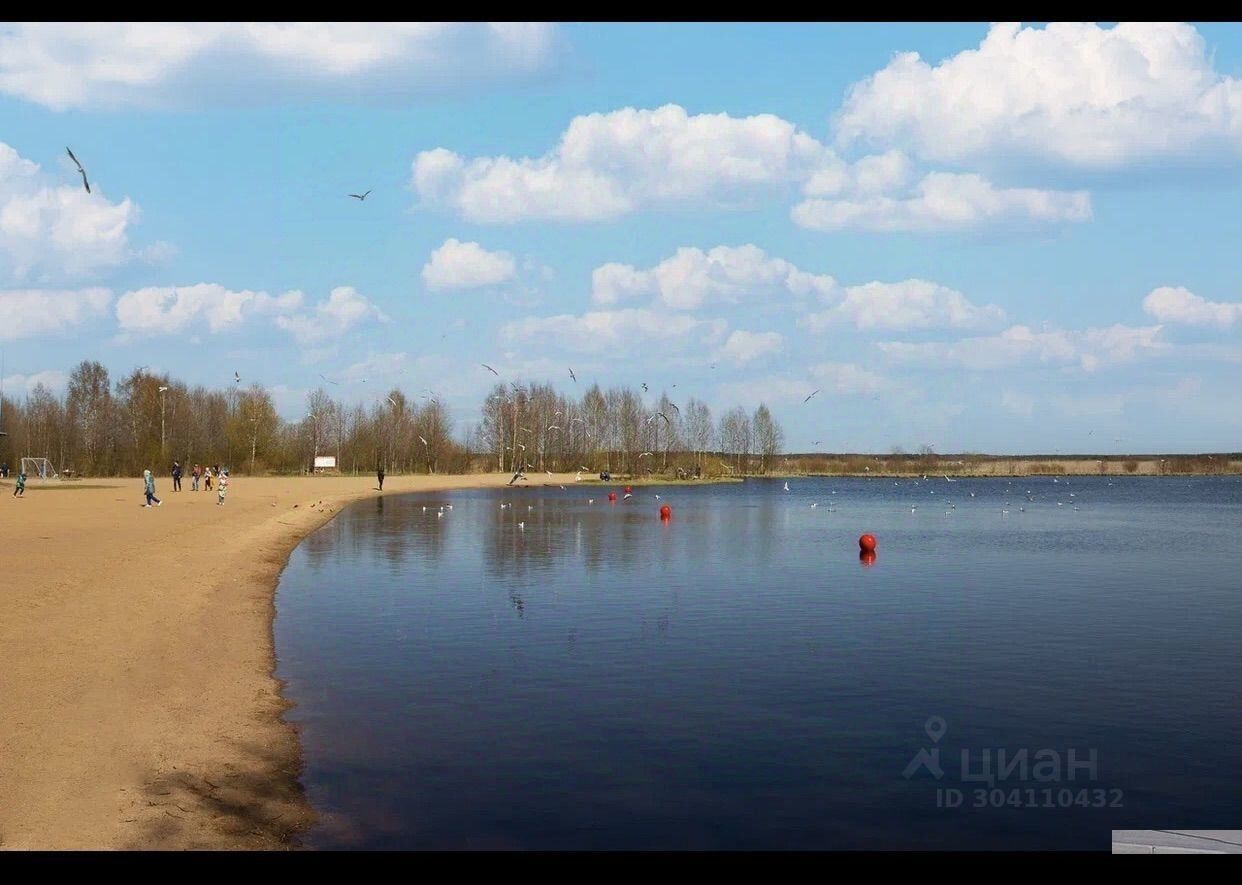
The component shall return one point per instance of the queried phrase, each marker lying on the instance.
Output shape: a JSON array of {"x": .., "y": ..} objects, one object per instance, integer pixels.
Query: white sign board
[{"x": 325, "y": 462}]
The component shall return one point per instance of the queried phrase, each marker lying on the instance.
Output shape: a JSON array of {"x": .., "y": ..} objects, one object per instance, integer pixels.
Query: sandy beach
[{"x": 136, "y": 660}]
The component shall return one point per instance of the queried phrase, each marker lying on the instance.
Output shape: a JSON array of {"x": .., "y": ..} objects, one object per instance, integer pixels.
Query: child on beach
[
  {"x": 19, "y": 490},
  {"x": 148, "y": 488},
  {"x": 223, "y": 487},
  {"x": 207, "y": 479}
]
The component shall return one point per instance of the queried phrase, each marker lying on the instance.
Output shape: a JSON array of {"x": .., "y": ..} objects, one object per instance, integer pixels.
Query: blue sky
[{"x": 1021, "y": 239}]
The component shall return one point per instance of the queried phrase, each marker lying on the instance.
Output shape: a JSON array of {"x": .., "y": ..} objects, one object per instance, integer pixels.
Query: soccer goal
[{"x": 39, "y": 468}]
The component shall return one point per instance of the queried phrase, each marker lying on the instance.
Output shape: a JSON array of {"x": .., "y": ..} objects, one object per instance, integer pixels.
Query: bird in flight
[
  {"x": 393, "y": 401},
  {"x": 645, "y": 388},
  {"x": 360, "y": 196},
  {"x": 236, "y": 378},
  {"x": 808, "y": 399},
  {"x": 329, "y": 380},
  {"x": 572, "y": 375},
  {"x": 490, "y": 369},
  {"x": 427, "y": 444},
  {"x": 82, "y": 171}
]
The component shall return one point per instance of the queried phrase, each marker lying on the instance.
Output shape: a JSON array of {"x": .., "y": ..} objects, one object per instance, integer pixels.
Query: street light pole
[{"x": 162, "y": 391}]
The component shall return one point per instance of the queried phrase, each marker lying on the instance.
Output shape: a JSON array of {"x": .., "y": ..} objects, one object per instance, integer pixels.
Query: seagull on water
[
  {"x": 82, "y": 171},
  {"x": 786, "y": 486}
]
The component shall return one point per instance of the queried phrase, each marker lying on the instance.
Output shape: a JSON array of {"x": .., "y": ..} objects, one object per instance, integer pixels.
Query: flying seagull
[
  {"x": 236, "y": 378},
  {"x": 572, "y": 375},
  {"x": 644, "y": 386},
  {"x": 808, "y": 399},
  {"x": 490, "y": 369},
  {"x": 393, "y": 401},
  {"x": 360, "y": 196},
  {"x": 427, "y": 444},
  {"x": 329, "y": 380},
  {"x": 85, "y": 183}
]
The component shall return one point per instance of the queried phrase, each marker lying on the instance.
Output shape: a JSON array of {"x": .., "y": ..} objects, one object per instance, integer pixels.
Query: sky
[{"x": 987, "y": 238}]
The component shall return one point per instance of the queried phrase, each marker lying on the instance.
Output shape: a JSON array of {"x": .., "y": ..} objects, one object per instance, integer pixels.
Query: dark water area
[{"x": 1027, "y": 663}]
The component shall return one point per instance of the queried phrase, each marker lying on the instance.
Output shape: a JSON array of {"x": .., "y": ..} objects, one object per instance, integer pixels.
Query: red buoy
[
  {"x": 628, "y": 490},
  {"x": 612, "y": 496},
  {"x": 867, "y": 543},
  {"x": 666, "y": 512}
]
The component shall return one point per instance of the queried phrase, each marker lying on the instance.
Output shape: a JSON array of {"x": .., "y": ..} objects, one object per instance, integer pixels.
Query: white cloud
[
  {"x": 48, "y": 230},
  {"x": 1071, "y": 93},
  {"x": 614, "y": 330},
  {"x": 202, "y": 307},
  {"x": 830, "y": 379},
  {"x": 458, "y": 265},
  {"x": 691, "y": 278},
  {"x": 911, "y": 304},
  {"x": 1179, "y": 305},
  {"x": 1089, "y": 348},
  {"x": 606, "y": 165},
  {"x": 25, "y": 313},
  {"x": 331, "y": 318},
  {"x": 155, "y": 64},
  {"x": 1018, "y": 403},
  {"x": 16, "y": 385},
  {"x": 742, "y": 347},
  {"x": 943, "y": 201}
]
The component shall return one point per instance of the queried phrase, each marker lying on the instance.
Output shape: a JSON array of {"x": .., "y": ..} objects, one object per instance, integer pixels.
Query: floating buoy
[
  {"x": 666, "y": 512},
  {"x": 612, "y": 496},
  {"x": 628, "y": 490},
  {"x": 867, "y": 543}
]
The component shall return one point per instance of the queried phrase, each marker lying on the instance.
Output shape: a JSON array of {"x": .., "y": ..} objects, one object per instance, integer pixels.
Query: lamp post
[{"x": 163, "y": 390}]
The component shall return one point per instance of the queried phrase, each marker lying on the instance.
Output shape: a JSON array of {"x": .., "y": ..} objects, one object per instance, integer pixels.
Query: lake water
[{"x": 737, "y": 678}]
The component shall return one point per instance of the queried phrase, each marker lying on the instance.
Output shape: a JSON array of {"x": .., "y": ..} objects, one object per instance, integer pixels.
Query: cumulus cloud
[
  {"x": 606, "y": 165},
  {"x": 943, "y": 201},
  {"x": 1179, "y": 305},
  {"x": 911, "y": 304},
  {"x": 344, "y": 309},
  {"x": 614, "y": 330},
  {"x": 202, "y": 307},
  {"x": 1072, "y": 93},
  {"x": 27, "y": 313},
  {"x": 1090, "y": 348},
  {"x": 66, "y": 65},
  {"x": 691, "y": 278},
  {"x": 52, "y": 379},
  {"x": 48, "y": 229},
  {"x": 458, "y": 265},
  {"x": 742, "y": 347},
  {"x": 829, "y": 378}
]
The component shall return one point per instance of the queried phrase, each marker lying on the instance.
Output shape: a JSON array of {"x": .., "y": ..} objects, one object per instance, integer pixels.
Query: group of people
[{"x": 208, "y": 475}]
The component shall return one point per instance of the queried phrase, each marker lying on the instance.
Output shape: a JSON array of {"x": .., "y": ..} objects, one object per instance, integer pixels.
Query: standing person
[
  {"x": 4, "y": 470},
  {"x": 379, "y": 474},
  {"x": 176, "y": 475},
  {"x": 194, "y": 479},
  {"x": 206, "y": 479},
  {"x": 223, "y": 487},
  {"x": 148, "y": 487},
  {"x": 19, "y": 490}
]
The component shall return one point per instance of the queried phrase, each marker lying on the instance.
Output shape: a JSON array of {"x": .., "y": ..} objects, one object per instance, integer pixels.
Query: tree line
[{"x": 105, "y": 427}]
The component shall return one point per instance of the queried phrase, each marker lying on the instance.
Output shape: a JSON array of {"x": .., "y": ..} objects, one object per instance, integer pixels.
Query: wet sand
[{"x": 140, "y": 708}]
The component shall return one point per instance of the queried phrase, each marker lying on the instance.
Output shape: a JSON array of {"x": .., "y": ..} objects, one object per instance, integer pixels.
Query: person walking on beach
[
  {"x": 206, "y": 479},
  {"x": 176, "y": 475},
  {"x": 194, "y": 474},
  {"x": 19, "y": 490},
  {"x": 148, "y": 487},
  {"x": 223, "y": 486},
  {"x": 379, "y": 474}
]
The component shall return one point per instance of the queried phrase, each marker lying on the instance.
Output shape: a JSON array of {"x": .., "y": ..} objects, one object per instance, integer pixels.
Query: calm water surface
[{"x": 737, "y": 678}]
